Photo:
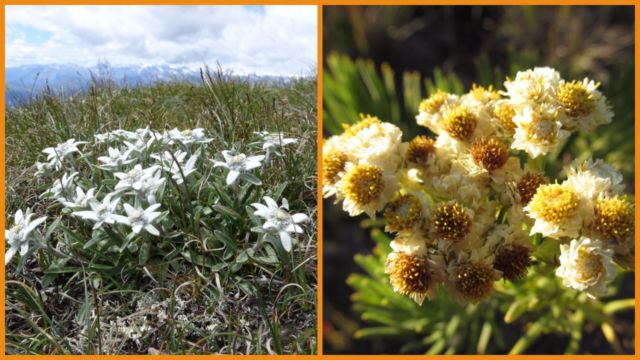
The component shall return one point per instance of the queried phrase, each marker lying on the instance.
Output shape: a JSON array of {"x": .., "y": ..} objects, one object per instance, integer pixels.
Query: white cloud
[{"x": 273, "y": 40}]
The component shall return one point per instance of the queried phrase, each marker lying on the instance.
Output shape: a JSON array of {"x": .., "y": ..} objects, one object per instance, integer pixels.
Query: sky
[{"x": 266, "y": 40}]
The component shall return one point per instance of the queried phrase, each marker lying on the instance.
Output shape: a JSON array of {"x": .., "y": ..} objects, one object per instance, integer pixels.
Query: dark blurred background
[{"x": 480, "y": 44}]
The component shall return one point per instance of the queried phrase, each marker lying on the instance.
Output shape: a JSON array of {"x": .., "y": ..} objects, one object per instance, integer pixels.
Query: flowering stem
[{"x": 619, "y": 305}]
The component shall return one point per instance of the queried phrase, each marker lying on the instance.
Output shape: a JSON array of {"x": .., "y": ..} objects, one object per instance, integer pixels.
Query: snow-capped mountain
[{"x": 26, "y": 81}]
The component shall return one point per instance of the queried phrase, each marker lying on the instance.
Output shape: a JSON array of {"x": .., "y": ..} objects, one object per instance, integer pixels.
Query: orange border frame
[{"x": 319, "y": 3}]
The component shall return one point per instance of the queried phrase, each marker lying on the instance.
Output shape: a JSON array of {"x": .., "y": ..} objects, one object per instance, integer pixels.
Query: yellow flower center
[
  {"x": 363, "y": 184},
  {"x": 460, "y": 123},
  {"x": 16, "y": 228},
  {"x": 505, "y": 113},
  {"x": 434, "y": 102},
  {"x": 490, "y": 154},
  {"x": 333, "y": 163},
  {"x": 590, "y": 266},
  {"x": 420, "y": 149},
  {"x": 474, "y": 281},
  {"x": 575, "y": 99},
  {"x": 409, "y": 274},
  {"x": 365, "y": 122},
  {"x": 451, "y": 222},
  {"x": 613, "y": 218},
  {"x": 403, "y": 213},
  {"x": 554, "y": 203},
  {"x": 481, "y": 93},
  {"x": 528, "y": 185}
]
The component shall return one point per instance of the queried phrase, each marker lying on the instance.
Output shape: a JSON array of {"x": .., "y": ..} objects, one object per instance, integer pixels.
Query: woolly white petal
[
  {"x": 232, "y": 176},
  {"x": 298, "y": 218},
  {"x": 152, "y": 230},
  {"x": 270, "y": 202},
  {"x": 285, "y": 239},
  {"x": 9, "y": 255}
]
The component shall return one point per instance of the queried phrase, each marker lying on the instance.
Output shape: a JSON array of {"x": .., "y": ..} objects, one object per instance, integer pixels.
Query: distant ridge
[{"x": 28, "y": 81}]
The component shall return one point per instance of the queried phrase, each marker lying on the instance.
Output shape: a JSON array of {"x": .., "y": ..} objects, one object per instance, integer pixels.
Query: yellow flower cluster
[{"x": 462, "y": 206}]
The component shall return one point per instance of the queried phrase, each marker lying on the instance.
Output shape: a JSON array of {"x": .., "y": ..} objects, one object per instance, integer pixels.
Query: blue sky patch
[{"x": 27, "y": 33}]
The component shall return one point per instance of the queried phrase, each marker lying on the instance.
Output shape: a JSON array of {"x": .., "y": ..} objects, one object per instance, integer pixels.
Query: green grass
[{"x": 214, "y": 301}]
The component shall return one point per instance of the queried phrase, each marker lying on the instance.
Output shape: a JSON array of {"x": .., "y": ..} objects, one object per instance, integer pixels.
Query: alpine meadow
[{"x": 170, "y": 218}]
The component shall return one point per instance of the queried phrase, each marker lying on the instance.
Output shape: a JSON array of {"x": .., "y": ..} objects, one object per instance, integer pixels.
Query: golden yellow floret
[
  {"x": 505, "y": 113},
  {"x": 554, "y": 203},
  {"x": 575, "y": 99},
  {"x": 365, "y": 122},
  {"x": 459, "y": 123},
  {"x": 433, "y": 103},
  {"x": 613, "y": 218},
  {"x": 333, "y": 162},
  {"x": 481, "y": 93},
  {"x": 363, "y": 184}
]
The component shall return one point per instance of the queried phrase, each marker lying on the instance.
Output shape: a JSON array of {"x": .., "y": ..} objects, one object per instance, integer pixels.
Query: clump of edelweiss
[
  {"x": 463, "y": 206},
  {"x": 127, "y": 199}
]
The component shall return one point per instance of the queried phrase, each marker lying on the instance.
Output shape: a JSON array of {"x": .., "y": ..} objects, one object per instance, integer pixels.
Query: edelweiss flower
[
  {"x": 134, "y": 178},
  {"x": 152, "y": 187},
  {"x": 81, "y": 199},
  {"x": 62, "y": 188},
  {"x": 116, "y": 158},
  {"x": 188, "y": 137},
  {"x": 141, "y": 219},
  {"x": 56, "y": 154},
  {"x": 278, "y": 219},
  {"x": 139, "y": 143},
  {"x": 238, "y": 164},
  {"x": 101, "y": 212},
  {"x": 45, "y": 168},
  {"x": 178, "y": 168},
  {"x": 586, "y": 266},
  {"x": 18, "y": 235},
  {"x": 271, "y": 141}
]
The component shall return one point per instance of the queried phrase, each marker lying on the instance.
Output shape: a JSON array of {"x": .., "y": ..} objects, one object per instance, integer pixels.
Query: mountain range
[{"x": 28, "y": 81}]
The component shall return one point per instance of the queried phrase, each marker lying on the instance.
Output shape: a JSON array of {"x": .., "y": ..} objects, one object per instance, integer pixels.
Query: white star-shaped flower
[
  {"x": 18, "y": 235},
  {"x": 238, "y": 164},
  {"x": 279, "y": 220}
]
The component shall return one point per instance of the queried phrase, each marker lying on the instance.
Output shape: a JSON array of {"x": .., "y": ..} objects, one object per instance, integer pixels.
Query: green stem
[{"x": 619, "y": 305}]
